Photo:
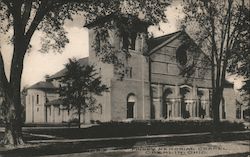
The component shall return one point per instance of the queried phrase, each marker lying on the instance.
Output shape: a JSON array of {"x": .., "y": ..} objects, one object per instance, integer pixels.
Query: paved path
[
  {"x": 218, "y": 149},
  {"x": 122, "y": 138}
]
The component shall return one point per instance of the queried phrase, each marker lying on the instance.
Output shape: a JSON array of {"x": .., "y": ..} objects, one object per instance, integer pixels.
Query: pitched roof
[
  {"x": 156, "y": 43},
  {"x": 82, "y": 62},
  {"x": 158, "y": 40},
  {"x": 43, "y": 85}
]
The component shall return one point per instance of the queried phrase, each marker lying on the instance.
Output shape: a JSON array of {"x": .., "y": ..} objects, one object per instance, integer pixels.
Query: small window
[
  {"x": 37, "y": 110},
  {"x": 129, "y": 72},
  {"x": 37, "y": 99},
  {"x": 129, "y": 41}
]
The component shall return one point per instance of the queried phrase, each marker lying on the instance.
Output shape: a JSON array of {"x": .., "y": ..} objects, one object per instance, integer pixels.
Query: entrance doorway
[
  {"x": 186, "y": 102},
  {"x": 166, "y": 104},
  {"x": 131, "y": 106}
]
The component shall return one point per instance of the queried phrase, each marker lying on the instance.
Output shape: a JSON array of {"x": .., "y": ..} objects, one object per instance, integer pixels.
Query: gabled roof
[
  {"x": 159, "y": 40},
  {"x": 82, "y": 62},
  {"x": 43, "y": 86},
  {"x": 157, "y": 43}
]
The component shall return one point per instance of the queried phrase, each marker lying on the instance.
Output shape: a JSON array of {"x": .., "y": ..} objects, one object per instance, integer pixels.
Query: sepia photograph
[{"x": 124, "y": 78}]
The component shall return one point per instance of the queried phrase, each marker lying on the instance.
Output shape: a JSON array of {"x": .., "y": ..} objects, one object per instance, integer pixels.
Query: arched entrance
[
  {"x": 201, "y": 106},
  {"x": 131, "y": 100},
  {"x": 166, "y": 103},
  {"x": 186, "y": 102}
]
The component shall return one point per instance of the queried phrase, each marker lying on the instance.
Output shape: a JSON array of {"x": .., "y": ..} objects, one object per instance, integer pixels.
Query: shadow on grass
[{"x": 79, "y": 147}]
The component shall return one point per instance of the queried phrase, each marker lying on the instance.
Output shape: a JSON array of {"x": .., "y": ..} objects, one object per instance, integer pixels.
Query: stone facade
[
  {"x": 179, "y": 76},
  {"x": 176, "y": 93},
  {"x": 36, "y": 98}
]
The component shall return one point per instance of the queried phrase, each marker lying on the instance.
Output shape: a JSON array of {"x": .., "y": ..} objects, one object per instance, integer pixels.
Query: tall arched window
[{"x": 131, "y": 100}]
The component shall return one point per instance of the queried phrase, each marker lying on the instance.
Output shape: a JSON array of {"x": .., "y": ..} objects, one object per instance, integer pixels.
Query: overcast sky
[{"x": 37, "y": 65}]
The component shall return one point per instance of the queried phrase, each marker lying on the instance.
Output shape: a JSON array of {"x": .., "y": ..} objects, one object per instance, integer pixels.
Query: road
[{"x": 230, "y": 148}]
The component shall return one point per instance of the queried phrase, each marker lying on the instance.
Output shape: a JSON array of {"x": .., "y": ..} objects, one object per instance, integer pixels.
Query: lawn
[
  {"x": 99, "y": 146},
  {"x": 137, "y": 128},
  {"x": 122, "y": 129}
]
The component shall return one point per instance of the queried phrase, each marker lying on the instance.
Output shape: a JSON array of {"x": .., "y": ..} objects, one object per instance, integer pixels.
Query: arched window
[
  {"x": 131, "y": 100},
  {"x": 181, "y": 55}
]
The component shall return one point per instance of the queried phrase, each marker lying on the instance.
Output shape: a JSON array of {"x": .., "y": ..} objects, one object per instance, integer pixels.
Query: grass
[
  {"x": 115, "y": 129},
  {"x": 137, "y": 128},
  {"x": 78, "y": 147}
]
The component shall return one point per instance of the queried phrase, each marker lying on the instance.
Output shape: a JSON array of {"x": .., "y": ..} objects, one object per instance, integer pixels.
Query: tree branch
[
  {"x": 233, "y": 37},
  {"x": 26, "y": 13},
  {"x": 3, "y": 79},
  {"x": 45, "y": 7},
  {"x": 40, "y": 13}
]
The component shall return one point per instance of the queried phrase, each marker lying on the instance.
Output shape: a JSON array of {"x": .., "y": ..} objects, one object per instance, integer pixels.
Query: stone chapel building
[{"x": 166, "y": 78}]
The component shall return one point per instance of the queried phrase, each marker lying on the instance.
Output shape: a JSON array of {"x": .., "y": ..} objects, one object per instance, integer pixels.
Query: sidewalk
[
  {"x": 191, "y": 145},
  {"x": 213, "y": 149},
  {"x": 122, "y": 138}
]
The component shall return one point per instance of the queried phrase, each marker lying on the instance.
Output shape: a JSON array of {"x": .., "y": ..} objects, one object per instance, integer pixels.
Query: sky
[{"x": 37, "y": 65}]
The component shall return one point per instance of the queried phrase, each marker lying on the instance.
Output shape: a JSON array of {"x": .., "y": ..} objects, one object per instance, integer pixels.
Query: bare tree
[{"x": 219, "y": 29}]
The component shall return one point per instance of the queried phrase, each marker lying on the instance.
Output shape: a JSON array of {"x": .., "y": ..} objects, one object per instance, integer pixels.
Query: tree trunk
[
  {"x": 79, "y": 118},
  {"x": 13, "y": 128},
  {"x": 13, "y": 120},
  {"x": 10, "y": 110},
  {"x": 216, "y": 111},
  {"x": 13, "y": 132}
]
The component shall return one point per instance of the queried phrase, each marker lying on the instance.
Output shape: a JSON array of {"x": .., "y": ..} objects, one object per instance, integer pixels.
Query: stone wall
[
  {"x": 35, "y": 101},
  {"x": 230, "y": 104}
]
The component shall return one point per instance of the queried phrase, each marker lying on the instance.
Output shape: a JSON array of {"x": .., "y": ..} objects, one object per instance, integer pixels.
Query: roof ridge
[
  {"x": 42, "y": 85},
  {"x": 61, "y": 72},
  {"x": 165, "y": 35}
]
